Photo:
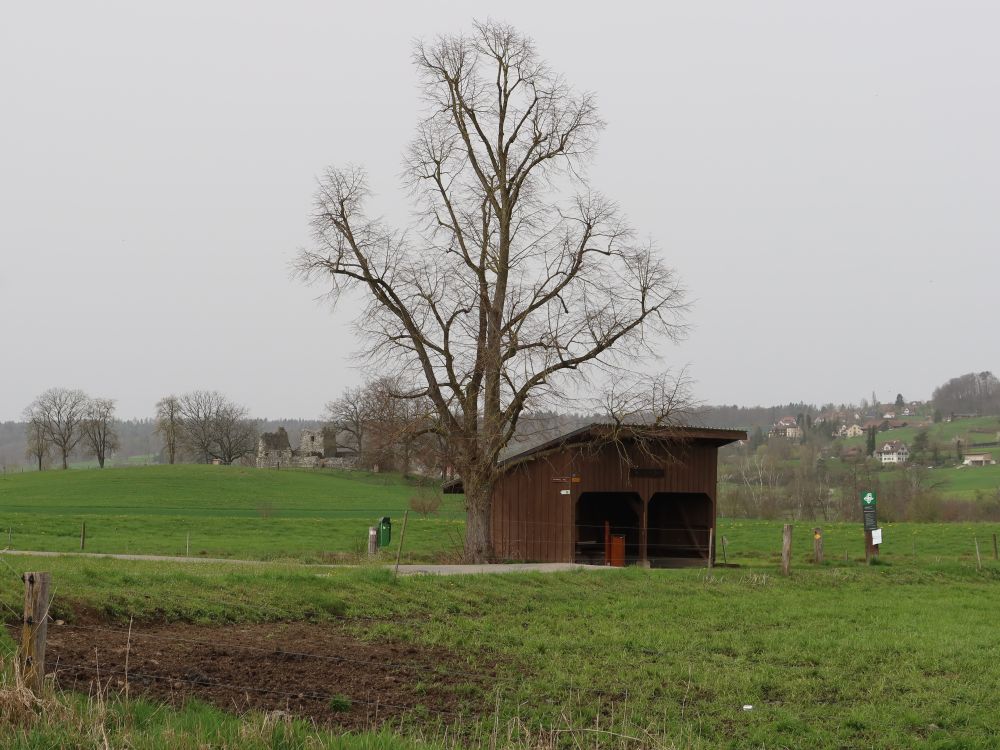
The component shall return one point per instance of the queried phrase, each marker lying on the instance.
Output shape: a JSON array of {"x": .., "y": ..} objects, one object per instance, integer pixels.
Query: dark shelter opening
[
  {"x": 599, "y": 514},
  {"x": 679, "y": 524}
]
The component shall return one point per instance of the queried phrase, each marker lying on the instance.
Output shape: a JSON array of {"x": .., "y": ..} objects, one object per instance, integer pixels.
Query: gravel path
[{"x": 444, "y": 570}]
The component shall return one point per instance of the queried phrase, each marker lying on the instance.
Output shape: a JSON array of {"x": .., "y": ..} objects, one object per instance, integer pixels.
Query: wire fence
[{"x": 523, "y": 539}]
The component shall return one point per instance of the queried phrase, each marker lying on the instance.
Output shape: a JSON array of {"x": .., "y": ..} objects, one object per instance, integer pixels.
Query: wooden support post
[
  {"x": 979, "y": 560},
  {"x": 372, "y": 541},
  {"x": 644, "y": 537},
  {"x": 402, "y": 535},
  {"x": 711, "y": 547},
  {"x": 871, "y": 551},
  {"x": 725, "y": 556},
  {"x": 187, "y": 545},
  {"x": 786, "y": 549},
  {"x": 83, "y": 535},
  {"x": 996, "y": 556},
  {"x": 34, "y": 630},
  {"x": 818, "y": 546}
]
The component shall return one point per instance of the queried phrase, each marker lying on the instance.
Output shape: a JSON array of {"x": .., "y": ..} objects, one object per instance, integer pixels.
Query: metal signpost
[{"x": 869, "y": 514}]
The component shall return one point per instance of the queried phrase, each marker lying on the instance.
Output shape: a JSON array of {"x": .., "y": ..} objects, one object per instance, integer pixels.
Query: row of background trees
[
  {"x": 386, "y": 431},
  {"x": 200, "y": 426},
  {"x": 60, "y": 419}
]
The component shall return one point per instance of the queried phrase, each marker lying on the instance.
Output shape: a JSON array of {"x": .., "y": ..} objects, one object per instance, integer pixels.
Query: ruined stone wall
[
  {"x": 309, "y": 455},
  {"x": 311, "y": 442},
  {"x": 273, "y": 459}
]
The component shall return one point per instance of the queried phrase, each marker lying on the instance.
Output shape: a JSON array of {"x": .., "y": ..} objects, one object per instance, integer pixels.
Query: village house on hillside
[
  {"x": 978, "y": 459},
  {"x": 786, "y": 427},
  {"x": 893, "y": 452},
  {"x": 854, "y": 430}
]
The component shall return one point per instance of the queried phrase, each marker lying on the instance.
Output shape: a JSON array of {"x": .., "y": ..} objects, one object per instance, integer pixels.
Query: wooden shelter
[{"x": 606, "y": 494}]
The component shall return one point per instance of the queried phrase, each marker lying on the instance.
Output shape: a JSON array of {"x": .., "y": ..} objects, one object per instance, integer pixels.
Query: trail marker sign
[{"x": 868, "y": 504}]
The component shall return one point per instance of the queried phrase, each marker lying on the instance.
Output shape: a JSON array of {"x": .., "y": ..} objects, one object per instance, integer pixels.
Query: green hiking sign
[{"x": 868, "y": 510}]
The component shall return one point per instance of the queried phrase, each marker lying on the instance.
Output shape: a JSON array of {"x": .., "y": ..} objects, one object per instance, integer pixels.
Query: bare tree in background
[
  {"x": 197, "y": 414},
  {"x": 168, "y": 425},
  {"x": 520, "y": 282},
  {"x": 351, "y": 413},
  {"x": 59, "y": 412},
  {"x": 399, "y": 424},
  {"x": 235, "y": 433},
  {"x": 38, "y": 448},
  {"x": 213, "y": 427},
  {"x": 98, "y": 429}
]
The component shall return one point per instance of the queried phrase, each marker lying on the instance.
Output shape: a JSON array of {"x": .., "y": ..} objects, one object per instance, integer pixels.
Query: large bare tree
[
  {"x": 98, "y": 429},
  {"x": 518, "y": 282},
  {"x": 168, "y": 425},
  {"x": 59, "y": 413}
]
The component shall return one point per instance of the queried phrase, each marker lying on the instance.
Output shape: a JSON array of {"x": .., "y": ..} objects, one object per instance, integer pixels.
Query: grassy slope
[
  {"x": 227, "y": 511},
  {"x": 943, "y": 432}
]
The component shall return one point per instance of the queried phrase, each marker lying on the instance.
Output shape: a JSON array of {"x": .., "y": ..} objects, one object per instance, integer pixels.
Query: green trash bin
[{"x": 384, "y": 531}]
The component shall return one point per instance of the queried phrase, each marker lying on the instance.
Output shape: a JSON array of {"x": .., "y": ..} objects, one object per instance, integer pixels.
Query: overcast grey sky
[{"x": 825, "y": 176}]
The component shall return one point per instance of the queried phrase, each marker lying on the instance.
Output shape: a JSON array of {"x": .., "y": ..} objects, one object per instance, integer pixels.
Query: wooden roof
[{"x": 605, "y": 430}]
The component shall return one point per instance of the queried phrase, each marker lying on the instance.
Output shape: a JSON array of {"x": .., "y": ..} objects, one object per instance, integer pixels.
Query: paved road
[{"x": 444, "y": 570}]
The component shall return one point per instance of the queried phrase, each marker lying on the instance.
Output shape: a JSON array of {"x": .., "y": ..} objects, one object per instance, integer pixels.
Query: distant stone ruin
[{"x": 274, "y": 450}]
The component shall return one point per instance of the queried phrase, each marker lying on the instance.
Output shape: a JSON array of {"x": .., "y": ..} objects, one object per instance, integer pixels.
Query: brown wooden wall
[{"x": 532, "y": 521}]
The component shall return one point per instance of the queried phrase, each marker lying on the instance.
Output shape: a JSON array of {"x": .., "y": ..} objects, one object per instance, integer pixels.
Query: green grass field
[
  {"x": 224, "y": 511},
  {"x": 323, "y": 516},
  {"x": 836, "y": 656},
  {"x": 899, "y": 654}
]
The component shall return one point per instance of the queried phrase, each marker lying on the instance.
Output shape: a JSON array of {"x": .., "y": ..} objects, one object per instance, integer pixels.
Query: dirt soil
[{"x": 311, "y": 670}]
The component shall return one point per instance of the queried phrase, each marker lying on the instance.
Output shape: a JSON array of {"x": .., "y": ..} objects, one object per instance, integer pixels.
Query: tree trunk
[
  {"x": 65, "y": 459},
  {"x": 100, "y": 460},
  {"x": 39, "y": 462},
  {"x": 478, "y": 538}
]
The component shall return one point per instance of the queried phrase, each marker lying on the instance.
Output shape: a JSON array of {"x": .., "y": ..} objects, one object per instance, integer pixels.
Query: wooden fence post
[
  {"x": 725, "y": 556},
  {"x": 83, "y": 535},
  {"x": 818, "y": 546},
  {"x": 786, "y": 549},
  {"x": 711, "y": 542},
  {"x": 995, "y": 555},
  {"x": 402, "y": 535},
  {"x": 34, "y": 630},
  {"x": 979, "y": 560}
]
